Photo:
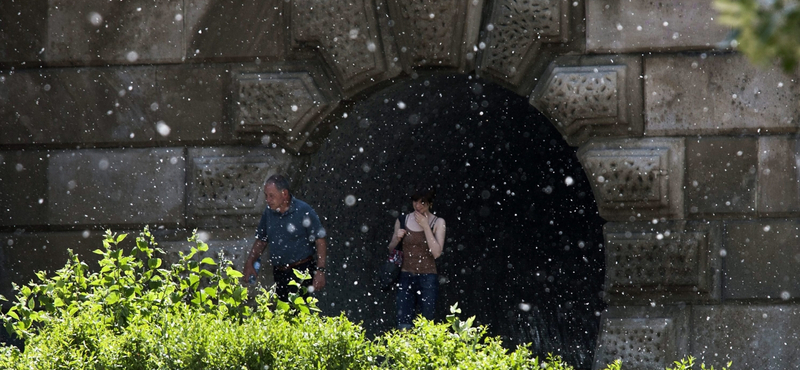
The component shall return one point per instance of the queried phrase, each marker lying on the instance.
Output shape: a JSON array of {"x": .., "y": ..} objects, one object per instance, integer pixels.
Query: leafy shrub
[{"x": 134, "y": 314}]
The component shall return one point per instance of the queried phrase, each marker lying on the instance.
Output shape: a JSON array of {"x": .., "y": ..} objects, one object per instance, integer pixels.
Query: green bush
[{"x": 134, "y": 314}]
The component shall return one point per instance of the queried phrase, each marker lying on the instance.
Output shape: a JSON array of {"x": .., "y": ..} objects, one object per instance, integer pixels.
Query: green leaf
[
  {"x": 112, "y": 298},
  {"x": 154, "y": 263},
  {"x": 121, "y": 237},
  {"x": 233, "y": 273},
  {"x": 208, "y": 261},
  {"x": 202, "y": 246}
]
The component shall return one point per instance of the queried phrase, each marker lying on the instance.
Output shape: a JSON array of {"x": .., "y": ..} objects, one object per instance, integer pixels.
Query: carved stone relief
[
  {"x": 517, "y": 30},
  {"x": 645, "y": 263},
  {"x": 636, "y": 179},
  {"x": 436, "y": 33},
  {"x": 641, "y": 344},
  {"x": 229, "y": 182},
  {"x": 289, "y": 104},
  {"x": 592, "y": 100},
  {"x": 347, "y": 34}
]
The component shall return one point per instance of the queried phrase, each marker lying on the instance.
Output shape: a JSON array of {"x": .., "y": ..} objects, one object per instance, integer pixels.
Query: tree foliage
[{"x": 764, "y": 30}]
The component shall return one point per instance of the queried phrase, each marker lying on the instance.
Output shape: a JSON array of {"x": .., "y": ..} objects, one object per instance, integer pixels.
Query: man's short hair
[{"x": 281, "y": 182}]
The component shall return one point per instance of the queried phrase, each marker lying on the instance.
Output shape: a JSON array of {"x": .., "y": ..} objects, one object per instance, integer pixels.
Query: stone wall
[{"x": 171, "y": 112}]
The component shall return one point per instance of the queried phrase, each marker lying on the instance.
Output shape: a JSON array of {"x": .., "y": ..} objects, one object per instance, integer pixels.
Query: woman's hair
[{"x": 424, "y": 194}]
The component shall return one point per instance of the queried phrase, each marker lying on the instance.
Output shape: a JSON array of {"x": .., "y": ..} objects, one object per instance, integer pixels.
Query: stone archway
[
  {"x": 524, "y": 248},
  {"x": 690, "y": 150}
]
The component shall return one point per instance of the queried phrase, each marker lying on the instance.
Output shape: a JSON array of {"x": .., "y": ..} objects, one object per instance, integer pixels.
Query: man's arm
[
  {"x": 322, "y": 260},
  {"x": 255, "y": 252}
]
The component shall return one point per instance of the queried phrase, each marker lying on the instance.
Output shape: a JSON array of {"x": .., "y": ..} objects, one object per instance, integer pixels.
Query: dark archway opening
[{"x": 524, "y": 249}]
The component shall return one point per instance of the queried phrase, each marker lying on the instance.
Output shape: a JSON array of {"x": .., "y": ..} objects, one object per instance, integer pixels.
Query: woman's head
[{"x": 422, "y": 199}]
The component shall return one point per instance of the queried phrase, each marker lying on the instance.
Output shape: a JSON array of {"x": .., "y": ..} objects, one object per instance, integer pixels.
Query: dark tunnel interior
[{"x": 524, "y": 251}]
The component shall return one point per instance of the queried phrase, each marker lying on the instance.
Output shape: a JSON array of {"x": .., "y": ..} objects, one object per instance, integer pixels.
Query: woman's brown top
[{"x": 417, "y": 257}]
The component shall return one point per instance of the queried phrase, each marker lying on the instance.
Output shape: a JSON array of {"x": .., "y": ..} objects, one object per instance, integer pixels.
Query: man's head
[{"x": 276, "y": 190}]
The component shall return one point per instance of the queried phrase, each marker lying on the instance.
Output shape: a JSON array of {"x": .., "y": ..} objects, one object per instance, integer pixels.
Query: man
[{"x": 293, "y": 231}]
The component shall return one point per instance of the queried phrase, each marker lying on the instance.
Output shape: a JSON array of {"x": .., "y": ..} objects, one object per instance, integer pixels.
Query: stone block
[
  {"x": 23, "y": 188},
  {"x": 103, "y": 32},
  {"x": 762, "y": 259},
  {"x": 284, "y": 105},
  {"x": 518, "y": 33},
  {"x": 192, "y": 102},
  {"x": 778, "y": 187},
  {"x": 347, "y": 36},
  {"x": 23, "y": 29},
  {"x": 117, "y": 187},
  {"x": 592, "y": 96},
  {"x": 636, "y": 179},
  {"x": 78, "y": 106},
  {"x": 621, "y": 26},
  {"x": 422, "y": 39},
  {"x": 226, "y": 185},
  {"x": 721, "y": 176},
  {"x": 750, "y": 336},
  {"x": 644, "y": 338},
  {"x": 257, "y": 32},
  {"x": 717, "y": 94},
  {"x": 24, "y": 253},
  {"x": 662, "y": 262}
]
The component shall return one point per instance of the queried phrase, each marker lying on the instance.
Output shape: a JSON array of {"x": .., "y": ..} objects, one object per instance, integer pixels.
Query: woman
[{"x": 423, "y": 242}]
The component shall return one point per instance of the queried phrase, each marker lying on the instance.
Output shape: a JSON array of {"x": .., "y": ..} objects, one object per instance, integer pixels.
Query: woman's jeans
[{"x": 413, "y": 290}]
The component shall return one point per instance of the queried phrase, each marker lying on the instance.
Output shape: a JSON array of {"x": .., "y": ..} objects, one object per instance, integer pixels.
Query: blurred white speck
[
  {"x": 364, "y": 228},
  {"x": 47, "y": 87},
  {"x": 767, "y": 228},
  {"x": 723, "y": 252},
  {"x": 72, "y": 184},
  {"x": 401, "y": 105},
  {"x": 482, "y": 45},
  {"x": 355, "y": 282},
  {"x": 659, "y": 236},
  {"x": 780, "y": 84},
  {"x": 365, "y": 167},
  {"x": 291, "y": 228},
  {"x": 173, "y": 160},
  {"x": 525, "y": 306},
  {"x": 431, "y": 16},
  {"x": 344, "y": 115},
  {"x": 489, "y": 27},
  {"x": 19, "y": 167},
  {"x": 569, "y": 181},
  {"x": 601, "y": 179},
  {"x": 666, "y": 24},
  {"x": 548, "y": 190},
  {"x": 371, "y": 46},
  {"x": 179, "y": 17},
  {"x": 310, "y": 290},
  {"x": 785, "y": 295},
  {"x": 132, "y": 135},
  {"x": 354, "y": 33},
  {"x": 294, "y": 108},
  {"x": 41, "y": 200},
  {"x": 10, "y": 242},
  {"x": 109, "y": 112},
  {"x": 86, "y": 234},
  {"x": 265, "y": 139},
  {"x": 153, "y": 106},
  {"x": 103, "y": 164},
  {"x": 162, "y": 128},
  {"x": 132, "y": 56},
  {"x": 619, "y": 27},
  {"x": 203, "y": 236},
  {"x": 95, "y": 19},
  {"x": 350, "y": 200}
]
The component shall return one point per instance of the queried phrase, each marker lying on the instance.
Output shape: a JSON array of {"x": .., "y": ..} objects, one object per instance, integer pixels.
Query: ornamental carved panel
[
  {"x": 668, "y": 263},
  {"x": 230, "y": 183},
  {"x": 289, "y": 104},
  {"x": 587, "y": 99},
  {"x": 636, "y": 179},
  {"x": 441, "y": 33},
  {"x": 346, "y": 32},
  {"x": 517, "y": 29},
  {"x": 642, "y": 344}
]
